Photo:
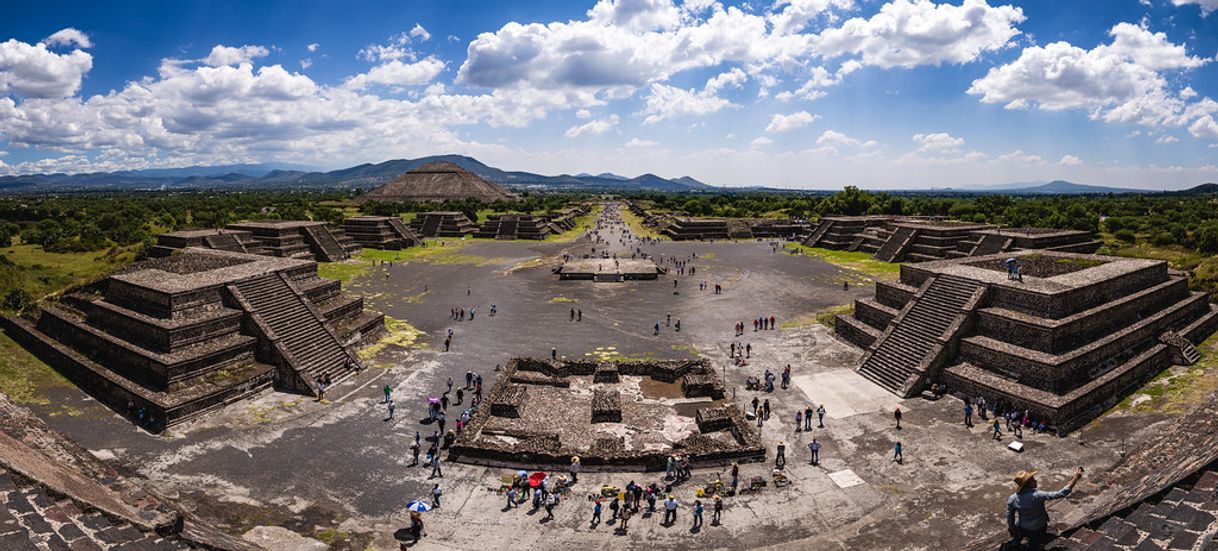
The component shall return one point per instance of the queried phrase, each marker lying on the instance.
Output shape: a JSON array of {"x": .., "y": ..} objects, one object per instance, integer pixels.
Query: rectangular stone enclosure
[{"x": 544, "y": 412}]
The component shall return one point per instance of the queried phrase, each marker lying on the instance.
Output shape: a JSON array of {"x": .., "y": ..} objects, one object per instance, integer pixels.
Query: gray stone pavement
[{"x": 288, "y": 460}]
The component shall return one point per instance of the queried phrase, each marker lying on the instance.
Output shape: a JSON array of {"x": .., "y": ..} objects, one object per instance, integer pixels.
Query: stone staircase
[
  {"x": 821, "y": 229},
  {"x": 990, "y": 244},
  {"x": 403, "y": 230},
  {"x": 312, "y": 350},
  {"x": 327, "y": 247},
  {"x": 507, "y": 229},
  {"x": 225, "y": 242},
  {"x": 1185, "y": 347},
  {"x": 896, "y": 244},
  {"x": 916, "y": 334},
  {"x": 431, "y": 226},
  {"x": 739, "y": 229}
]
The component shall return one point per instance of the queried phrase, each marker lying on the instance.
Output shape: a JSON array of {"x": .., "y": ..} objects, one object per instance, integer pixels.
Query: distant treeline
[
  {"x": 90, "y": 222},
  {"x": 548, "y": 203},
  {"x": 1189, "y": 221}
]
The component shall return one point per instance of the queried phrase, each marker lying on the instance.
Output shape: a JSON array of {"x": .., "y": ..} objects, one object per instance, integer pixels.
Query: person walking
[
  {"x": 1027, "y": 518},
  {"x": 574, "y": 469},
  {"x": 613, "y": 508},
  {"x": 435, "y": 467},
  {"x": 624, "y": 516},
  {"x": 392, "y": 408},
  {"x": 814, "y": 448},
  {"x": 997, "y": 429},
  {"x": 896, "y": 414},
  {"x": 414, "y": 454},
  {"x": 697, "y": 514},
  {"x": 436, "y": 492},
  {"x": 968, "y": 414},
  {"x": 799, "y": 420},
  {"x": 820, "y": 416},
  {"x": 896, "y": 454},
  {"x": 596, "y": 513},
  {"x": 388, "y": 394},
  {"x": 717, "y": 515},
  {"x": 670, "y": 511},
  {"x": 511, "y": 496},
  {"x": 780, "y": 455},
  {"x": 551, "y": 501},
  {"x": 553, "y": 354}
]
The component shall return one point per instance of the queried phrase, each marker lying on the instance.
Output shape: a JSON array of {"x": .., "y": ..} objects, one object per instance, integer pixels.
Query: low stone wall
[
  {"x": 606, "y": 406},
  {"x": 510, "y": 402}
]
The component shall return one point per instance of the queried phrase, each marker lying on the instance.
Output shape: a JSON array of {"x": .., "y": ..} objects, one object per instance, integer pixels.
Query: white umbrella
[{"x": 418, "y": 506}]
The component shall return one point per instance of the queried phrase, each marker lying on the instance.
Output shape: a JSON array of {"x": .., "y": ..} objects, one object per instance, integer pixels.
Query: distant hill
[
  {"x": 1203, "y": 189},
  {"x": 364, "y": 176},
  {"x": 1056, "y": 187}
]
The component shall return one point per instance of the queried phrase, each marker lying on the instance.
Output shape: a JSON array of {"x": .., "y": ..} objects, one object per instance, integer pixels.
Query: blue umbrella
[{"x": 418, "y": 506}]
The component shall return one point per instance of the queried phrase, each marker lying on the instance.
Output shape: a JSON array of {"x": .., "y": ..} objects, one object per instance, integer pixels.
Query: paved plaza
[{"x": 341, "y": 469}]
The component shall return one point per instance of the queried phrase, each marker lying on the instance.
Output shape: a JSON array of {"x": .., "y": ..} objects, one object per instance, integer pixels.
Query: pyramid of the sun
[{"x": 439, "y": 181}]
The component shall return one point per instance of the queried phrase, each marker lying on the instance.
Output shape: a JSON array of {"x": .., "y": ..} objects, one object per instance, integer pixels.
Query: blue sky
[{"x": 798, "y": 93}]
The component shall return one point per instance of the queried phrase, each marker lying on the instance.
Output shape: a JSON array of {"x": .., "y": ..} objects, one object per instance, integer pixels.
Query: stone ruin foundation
[
  {"x": 541, "y": 413},
  {"x": 1076, "y": 335}
]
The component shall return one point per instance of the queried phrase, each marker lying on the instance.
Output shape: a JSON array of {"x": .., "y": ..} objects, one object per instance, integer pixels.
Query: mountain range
[
  {"x": 363, "y": 176},
  {"x": 281, "y": 176}
]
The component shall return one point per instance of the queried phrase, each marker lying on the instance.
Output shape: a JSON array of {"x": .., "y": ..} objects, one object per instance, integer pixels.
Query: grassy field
[
  {"x": 1203, "y": 269},
  {"x": 24, "y": 377},
  {"x": 42, "y": 273},
  {"x": 636, "y": 225},
  {"x": 1178, "y": 388},
  {"x": 858, "y": 261}
]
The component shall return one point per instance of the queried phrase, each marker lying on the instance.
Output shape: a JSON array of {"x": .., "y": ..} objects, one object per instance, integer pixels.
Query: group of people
[{"x": 1015, "y": 419}]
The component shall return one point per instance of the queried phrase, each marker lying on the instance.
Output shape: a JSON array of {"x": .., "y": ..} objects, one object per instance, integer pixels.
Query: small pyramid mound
[{"x": 438, "y": 181}]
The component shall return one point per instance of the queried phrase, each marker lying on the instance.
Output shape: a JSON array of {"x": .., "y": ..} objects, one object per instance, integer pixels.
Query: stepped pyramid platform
[
  {"x": 1077, "y": 335},
  {"x": 301, "y": 239},
  {"x": 514, "y": 226},
  {"x": 565, "y": 220},
  {"x": 218, "y": 238},
  {"x": 618, "y": 416},
  {"x": 922, "y": 239},
  {"x": 380, "y": 232},
  {"x": 164, "y": 340},
  {"x": 681, "y": 228},
  {"x": 442, "y": 224}
]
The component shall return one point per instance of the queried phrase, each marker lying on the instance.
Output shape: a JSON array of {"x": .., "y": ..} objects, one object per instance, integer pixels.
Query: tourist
[
  {"x": 670, "y": 511},
  {"x": 596, "y": 512},
  {"x": 447, "y": 343},
  {"x": 820, "y": 416},
  {"x": 1027, "y": 518},
  {"x": 551, "y": 501},
  {"x": 414, "y": 453},
  {"x": 613, "y": 508},
  {"x": 579, "y": 315},
  {"x": 968, "y": 413},
  {"x": 668, "y": 319},
  {"x": 748, "y": 350},
  {"x": 765, "y": 407},
  {"x": 511, "y": 496},
  {"x": 572, "y": 314},
  {"x": 786, "y": 377},
  {"x": 896, "y": 414},
  {"x": 450, "y": 385},
  {"x": 652, "y": 495},
  {"x": 471, "y": 313},
  {"x": 440, "y": 420},
  {"x": 460, "y": 396},
  {"x": 814, "y": 448},
  {"x": 436, "y": 472},
  {"x": 625, "y": 517},
  {"x": 391, "y": 410},
  {"x": 574, "y": 469},
  {"x": 808, "y": 417},
  {"x": 436, "y": 492},
  {"x": 657, "y": 329},
  {"x": 717, "y": 515},
  {"x": 997, "y": 429},
  {"x": 469, "y": 379},
  {"x": 388, "y": 394},
  {"x": 697, "y": 514},
  {"x": 416, "y": 526},
  {"x": 799, "y": 420},
  {"x": 896, "y": 454},
  {"x": 677, "y": 327},
  {"x": 772, "y": 320},
  {"x": 444, "y": 401},
  {"x": 732, "y": 347},
  {"x": 780, "y": 455},
  {"x": 735, "y": 476}
]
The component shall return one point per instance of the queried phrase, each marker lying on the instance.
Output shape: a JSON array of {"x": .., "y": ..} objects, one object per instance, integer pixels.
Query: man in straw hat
[{"x": 1026, "y": 515}]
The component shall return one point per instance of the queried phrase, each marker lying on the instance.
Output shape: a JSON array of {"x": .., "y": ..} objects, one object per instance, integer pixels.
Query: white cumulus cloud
[
  {"x": 1207, "y": 6},
  {"x": 786, "y": 123},
  {"x": 419, "y": 33},
  {"x": 598, "y": 126},
  {"x": 1204, "y": 128},
  {"x": 230, "y": 55},
  {"x": 838, "y": 139},
  {"x": 1070, "y": 160},
  {"x": 33, "y": 71},
  {"x": 636, "y": 142},
  {"x": 667, "y": 102},
  {"x": 69, "y": 37},
  {"x": 396, "y": 73},
  {"x": 1123, "y": 81},
  {"x": 938, "y": 142}
]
